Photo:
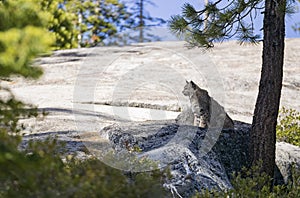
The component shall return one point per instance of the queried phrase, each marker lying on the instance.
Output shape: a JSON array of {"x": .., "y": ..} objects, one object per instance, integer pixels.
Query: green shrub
[
  {"x": 40, "y": 172},
  {"x": 23, "y": 37},
  {"x": 252, "y": 184},
  {"x": 288, "y": 127}
]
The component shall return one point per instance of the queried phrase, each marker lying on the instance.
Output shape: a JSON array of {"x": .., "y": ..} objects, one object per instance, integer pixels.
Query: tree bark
[
  {"x": 263, "y": 134},
  {"x": 141, "y": 21}
]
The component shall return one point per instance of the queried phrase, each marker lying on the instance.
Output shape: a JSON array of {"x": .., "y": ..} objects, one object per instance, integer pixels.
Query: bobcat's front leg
[
  {"x": 196, "y": 119},
  {"x": 203, "y": 119},
  {"x": 202, "y": 122}
]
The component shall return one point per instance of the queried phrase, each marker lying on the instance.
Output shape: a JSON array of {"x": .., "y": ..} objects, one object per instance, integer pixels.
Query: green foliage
[
  {"x": 99, "y": 19},
  {"x": 61, "y": 22},
  {"x": 18, "y": 47},
  {"x": 90, "y": 22},
  {"x": 84, "y": 23},
  {"x": 248, "y": 183},
  {"x": 288, "y": 126},
  {"x": 245, "y": 184},
  {"x": 22, "y": 38},
  {"x": 12, "y": 110},
  {"x": 40, "y": 172},
  {"x": 19, "y": 14},
  {"x": 216, "y": 22},
  {"x": 129, "y": 161}
]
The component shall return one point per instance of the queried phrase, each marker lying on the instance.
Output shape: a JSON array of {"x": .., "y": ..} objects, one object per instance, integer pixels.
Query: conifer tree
[
  {"x": 141, "y": 22},
  {"x": 76, "y": 23},
  {"x": 23, "y": 37},
  {"x": 296, "y": 27},
  {"x": 98, "y": 19},
  {"x": 61, "y": 22},
  {"x": 235, "y": 18}
]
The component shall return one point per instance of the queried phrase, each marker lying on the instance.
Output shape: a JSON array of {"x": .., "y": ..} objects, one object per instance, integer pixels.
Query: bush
[
  {"x": 40, "y": 172},
  {"x": 22, "y": 38},
  {"x": 288, "y": 127},
  {"x": 252, "y": 184}
]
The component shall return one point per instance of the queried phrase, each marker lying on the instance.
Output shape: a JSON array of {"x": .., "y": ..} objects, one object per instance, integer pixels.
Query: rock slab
[
  {"x": 193, "y": 168},
  {"x": 179, "y": 147}
]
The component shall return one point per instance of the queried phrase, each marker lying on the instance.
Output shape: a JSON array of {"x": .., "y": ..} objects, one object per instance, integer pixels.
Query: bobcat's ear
[{"x": 187, "y": 82}]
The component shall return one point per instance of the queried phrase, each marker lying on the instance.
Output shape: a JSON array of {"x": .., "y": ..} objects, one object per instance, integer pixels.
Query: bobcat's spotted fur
[{"x": 202, "y": 105}]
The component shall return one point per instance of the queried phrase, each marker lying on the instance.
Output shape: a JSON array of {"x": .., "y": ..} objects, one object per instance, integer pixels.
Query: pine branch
[{"x": 215, "y": 23}]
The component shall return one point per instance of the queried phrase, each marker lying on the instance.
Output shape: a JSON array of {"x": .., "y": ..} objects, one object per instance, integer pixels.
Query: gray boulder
[
  {"x": 180, "y": 148},
  {"x": 287, "y": 160},
  {"x": 194, "y": 163}
]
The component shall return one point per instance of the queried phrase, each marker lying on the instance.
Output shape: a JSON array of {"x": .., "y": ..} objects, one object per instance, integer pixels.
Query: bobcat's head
[{"x": 189, "y": 88}]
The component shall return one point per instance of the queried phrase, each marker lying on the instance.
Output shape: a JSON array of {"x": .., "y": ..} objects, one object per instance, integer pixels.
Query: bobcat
[{"x": 202, "y": 104}]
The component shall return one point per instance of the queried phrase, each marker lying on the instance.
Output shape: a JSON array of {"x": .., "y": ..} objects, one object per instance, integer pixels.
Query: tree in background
[
  {"x": 62, "y": 23},
  {"x": 145, "y": 20},
  {"x": 76, "y": 23},
  {"x": 296, "y": 27},
  {"x": 223, "y": 21},
  {"x": 98, "y": 19},
  {"x": 140, "y": 22}
]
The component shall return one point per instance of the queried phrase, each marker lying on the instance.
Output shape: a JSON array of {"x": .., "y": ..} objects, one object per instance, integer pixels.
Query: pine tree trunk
[
  {"x": 141, "y": 21},
  {"x": 263, "y": 134}
]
